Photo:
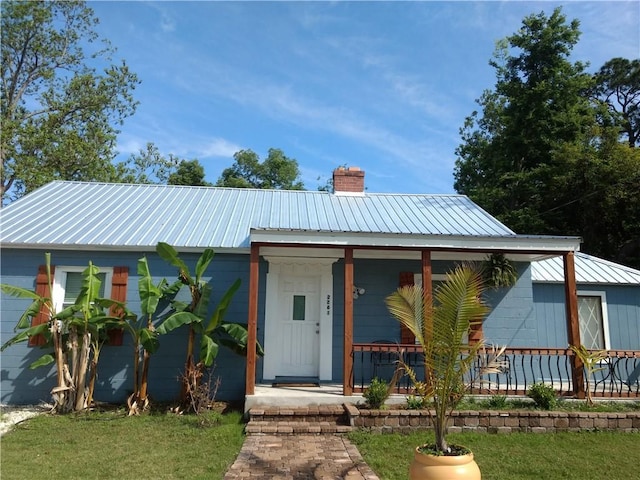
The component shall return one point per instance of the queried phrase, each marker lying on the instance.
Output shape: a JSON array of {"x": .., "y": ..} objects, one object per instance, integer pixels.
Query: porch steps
[{"x": 282, "y": 420}]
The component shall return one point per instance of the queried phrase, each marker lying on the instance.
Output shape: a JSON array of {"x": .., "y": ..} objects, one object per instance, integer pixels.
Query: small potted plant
[{"x": 441, "y": 328}]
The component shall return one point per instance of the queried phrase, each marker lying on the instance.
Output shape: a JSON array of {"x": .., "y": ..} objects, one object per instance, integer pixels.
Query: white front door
[
  {"x": 298, "y": 338},
  {"x": 299, "y": 325}
]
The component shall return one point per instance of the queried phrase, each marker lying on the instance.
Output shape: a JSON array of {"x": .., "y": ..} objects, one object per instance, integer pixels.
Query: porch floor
[{"x": 266, "y": 395}]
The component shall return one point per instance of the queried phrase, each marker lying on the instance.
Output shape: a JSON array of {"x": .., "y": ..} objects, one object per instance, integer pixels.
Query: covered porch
[{"x": 360, "y": 361}]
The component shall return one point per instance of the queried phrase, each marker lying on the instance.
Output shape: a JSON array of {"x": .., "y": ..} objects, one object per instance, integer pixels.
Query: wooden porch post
[
  {"x": 252, "y": 321},
  {"x": 573, "y": 325},
  {"x": 347, "y": 362},
  {"x": 427, "y": 284}
]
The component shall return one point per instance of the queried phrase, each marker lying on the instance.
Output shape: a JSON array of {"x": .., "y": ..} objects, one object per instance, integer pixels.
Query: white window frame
[
  {"x": 604, "y": 310},
  {"x": 60, "y": 283}
]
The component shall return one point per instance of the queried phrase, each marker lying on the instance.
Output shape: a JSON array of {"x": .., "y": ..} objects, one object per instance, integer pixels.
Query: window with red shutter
[
  {"x": 42, "y": 289},
  {"x": 66, "y": 286},
  {"x": 118, "y": 293}
]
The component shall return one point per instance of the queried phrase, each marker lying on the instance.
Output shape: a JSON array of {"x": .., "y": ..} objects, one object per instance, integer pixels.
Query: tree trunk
[
  {"x": 142, "y": 394},
  {"x": 80, "y": 373},
  {"x": 188, "y": 367}
]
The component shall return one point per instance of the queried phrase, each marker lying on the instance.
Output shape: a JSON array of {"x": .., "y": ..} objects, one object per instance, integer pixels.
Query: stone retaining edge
[{"x": 491, "y": 421}]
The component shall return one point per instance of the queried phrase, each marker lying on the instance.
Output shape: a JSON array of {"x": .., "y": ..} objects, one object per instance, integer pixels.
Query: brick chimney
[{"x": 348, "y": 180}]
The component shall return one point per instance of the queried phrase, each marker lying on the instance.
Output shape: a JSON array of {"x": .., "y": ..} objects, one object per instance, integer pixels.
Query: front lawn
[
  {"x": 110, "y": 445},
  {"x": 517, "y": 456}
]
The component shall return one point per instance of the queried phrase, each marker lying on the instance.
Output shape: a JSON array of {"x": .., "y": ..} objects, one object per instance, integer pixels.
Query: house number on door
[{"x": 328, "y": 304}]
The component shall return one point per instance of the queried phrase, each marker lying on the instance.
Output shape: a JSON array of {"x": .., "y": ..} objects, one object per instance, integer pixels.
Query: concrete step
[
  {"x": 292, "y": 428},
  {"x": 318, "y": 413},
  {"x": 319, "y": 419}
]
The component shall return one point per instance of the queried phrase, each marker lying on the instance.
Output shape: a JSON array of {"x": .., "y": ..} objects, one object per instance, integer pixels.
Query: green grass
[
  {"x": 110, "y": 445},
  {"x": 517, "y": 456}
]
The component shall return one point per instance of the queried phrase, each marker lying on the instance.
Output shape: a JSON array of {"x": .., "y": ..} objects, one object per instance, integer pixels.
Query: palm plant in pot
[{"x": 441, "y": 328}]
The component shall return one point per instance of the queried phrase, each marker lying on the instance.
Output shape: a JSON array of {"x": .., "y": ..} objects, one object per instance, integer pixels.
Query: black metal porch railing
[{"x": 618, "y": 374}]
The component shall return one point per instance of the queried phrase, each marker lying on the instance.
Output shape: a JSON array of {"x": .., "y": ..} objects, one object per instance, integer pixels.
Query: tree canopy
[
  {"x": 618, "y": 86},
  {"x": 544, "y": 153},
  {"x": 149, "y": 165},
  {"x": 60, "y": 113},
  {"x": 277, "y": 171},
  {"x": 189, "y": 172}
]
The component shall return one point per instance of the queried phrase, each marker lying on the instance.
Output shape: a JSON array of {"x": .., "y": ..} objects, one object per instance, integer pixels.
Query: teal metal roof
[
  {"x": 69, "y": 214},
  {"x": 589, "y": 270}
]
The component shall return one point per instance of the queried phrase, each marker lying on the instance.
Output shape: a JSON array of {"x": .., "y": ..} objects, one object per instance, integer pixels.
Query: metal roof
[
  {"x": 589, "y": 270},
  {"x": 99, "y": 215}
]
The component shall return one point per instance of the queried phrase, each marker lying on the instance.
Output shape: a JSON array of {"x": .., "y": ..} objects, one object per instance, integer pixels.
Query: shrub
[
  {"x": 416, "y": 402},
  {"x": 376, "y": 393},
  {"x": 543, "y": 395},
  {"x": 498, "y": 402}
]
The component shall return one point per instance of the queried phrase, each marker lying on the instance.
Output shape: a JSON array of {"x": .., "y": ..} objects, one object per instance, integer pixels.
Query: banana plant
[
  {"x": 76, "y": 335},
  {"x": 213, "y": 330},
  {"x": 145, "y": 337}
]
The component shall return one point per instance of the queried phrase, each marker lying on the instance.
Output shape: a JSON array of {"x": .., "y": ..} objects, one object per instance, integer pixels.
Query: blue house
[{"x": 315, "y": 269}]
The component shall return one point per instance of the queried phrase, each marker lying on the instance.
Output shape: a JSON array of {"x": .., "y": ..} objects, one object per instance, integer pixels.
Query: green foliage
[
  {"x": 498, "y": 402},
  {"x": 441, "y": 329},
  {"x": 214, "y": 331},
  {"x": 59, "y": 112},
  {"x": 544, "y": 396},
  {"x": 416, "y": 402},
  {"x": 147, "y": 166},
  {"x": 618, "y": 86},
  {"x": 376, "y": 393},
  {"x": 144, "y": 335},
  {"x": 544, "y": 155},
  {"x": 276, "y": 172},
  {"x": 189, "y": 172},
  {"x": 73, "y": 336},
  {"x": 591, "y": 360},
  {"x": 498, "y": 271}
]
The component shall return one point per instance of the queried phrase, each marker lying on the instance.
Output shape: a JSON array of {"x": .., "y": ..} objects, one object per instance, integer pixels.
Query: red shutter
[
  {"x": 406, "y": 278},
  {"x": 42, "y": 289},
  {"x": 119, "y": 293}
]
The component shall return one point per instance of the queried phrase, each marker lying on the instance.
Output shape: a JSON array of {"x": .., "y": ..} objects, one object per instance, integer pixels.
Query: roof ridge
[{"x": 217, "y": 187}]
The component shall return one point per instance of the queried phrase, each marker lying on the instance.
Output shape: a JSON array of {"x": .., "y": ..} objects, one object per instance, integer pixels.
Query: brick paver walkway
[{"x": 299, "y": 457}]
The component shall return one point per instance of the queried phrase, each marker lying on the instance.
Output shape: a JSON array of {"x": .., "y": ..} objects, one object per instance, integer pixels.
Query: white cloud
[{"x": 218, "y": 147}]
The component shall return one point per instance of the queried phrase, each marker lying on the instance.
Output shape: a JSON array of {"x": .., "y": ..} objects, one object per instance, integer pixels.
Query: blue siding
[
  {"x": 512, "y": 321},
  {"x": 550, "y": 311},
  {"x": 623, "y": 310},
  {"x": 20, "y": 385}
]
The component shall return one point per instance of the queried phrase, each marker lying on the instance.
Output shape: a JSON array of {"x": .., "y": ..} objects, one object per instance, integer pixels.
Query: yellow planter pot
[{"x": 434, "y": 467}]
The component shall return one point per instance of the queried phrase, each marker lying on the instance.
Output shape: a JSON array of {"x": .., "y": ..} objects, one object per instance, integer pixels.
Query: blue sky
[{"x": 384, "y": 86}]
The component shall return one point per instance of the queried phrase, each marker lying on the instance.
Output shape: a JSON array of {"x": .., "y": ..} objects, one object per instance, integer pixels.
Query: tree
[
  {"x": 59, "y": 113},
  {"x": 618, "y": 86},
  {"x": 542, "y": 155},
  {"x": 276, "y": 172},
  {"x": 147, "y": 166},
  {"x": 189, "y": 172},
  {"x": 508, "y": 156}
]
